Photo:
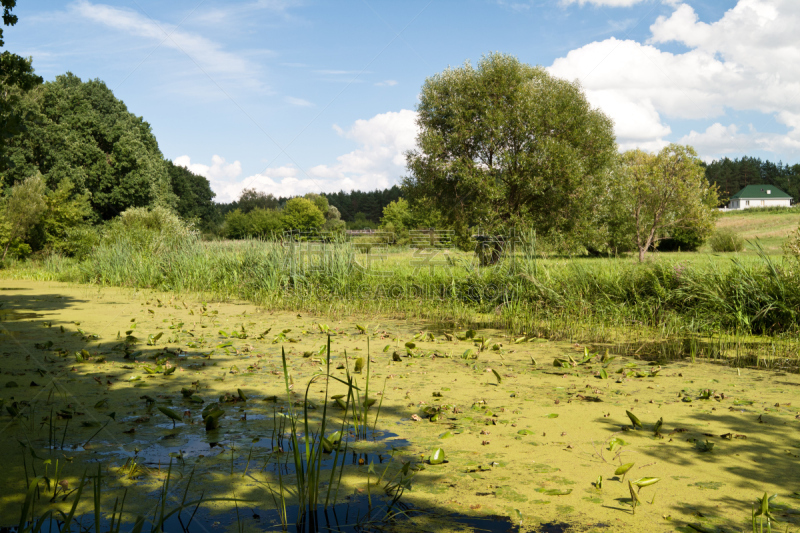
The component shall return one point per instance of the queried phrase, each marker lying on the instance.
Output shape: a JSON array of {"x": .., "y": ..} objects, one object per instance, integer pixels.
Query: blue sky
[{"x": 308, "y": 96}]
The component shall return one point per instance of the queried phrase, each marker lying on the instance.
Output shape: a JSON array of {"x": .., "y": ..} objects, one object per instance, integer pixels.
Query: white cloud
[
  {"x": 741, "y": 62},
  {"x": 718, "y": 140},
  {"x": 299, "y": 102},
  {"x": 386, "y": 83},
  {"x": 217, "y": 171},
  {"x": 606, "y": 3},
  {"x": 209, "y": 55},
  {"x": 378, "y": 162}
]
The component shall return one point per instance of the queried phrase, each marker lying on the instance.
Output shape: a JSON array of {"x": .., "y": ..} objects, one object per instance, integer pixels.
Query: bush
[
  {"x": 726, "y": 240},
  {"x": 684, "y": 240},
  {"x": 258, "y": 223},
  {"x": 80, "y": 241},
  {"x": 151, "y": 231}
]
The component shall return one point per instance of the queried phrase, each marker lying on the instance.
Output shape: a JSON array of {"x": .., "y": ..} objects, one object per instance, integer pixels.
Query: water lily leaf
[
  {"x": 437, "y": 457},
  {"x": 554, "y": 492},
  {"x": 212, "y": 419},
  {"x": 496, "y": 375},
  {"x": 170, "y": 370},
  {"x": 603, "y": 373},
  {"x": 361, "y": 328},
  {"x": 410, "y": 345},
  {"x": 623, "y": 469},
  {"x": 446, "y": 435},
  {"x": 241, "y": 395},
  {"x": 552, "y": 415},
  {"x": 170, "y": 413},
  {"x": 524, "y": 432},
  {"x": 634, "y": 419},
  {"x": 359, "y": 366},
  {"x": 646, "y": 481}
]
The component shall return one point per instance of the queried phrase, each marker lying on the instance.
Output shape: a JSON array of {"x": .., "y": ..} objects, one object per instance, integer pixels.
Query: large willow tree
[{"x": 505, "y": 145}]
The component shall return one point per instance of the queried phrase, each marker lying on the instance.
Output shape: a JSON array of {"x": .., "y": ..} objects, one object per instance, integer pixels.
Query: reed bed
[{"x": 696, "y": 305}]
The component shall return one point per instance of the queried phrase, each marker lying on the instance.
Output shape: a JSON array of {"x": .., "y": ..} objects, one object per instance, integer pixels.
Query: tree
[
  {"x": 258, "y": 223},
  {"x": 301, "y": 214},
  {"x": 506, "y": 145},
  {"x": 252, "y": 199},
  {"x": 663, "y": 193},
  {"x": 21, "y": 210},
  {"x": 65, "y": 212},
  {"x": 80, "y": 131},
  {"x": 195, "y": 199},
  {"x": 16, "y": 77}
]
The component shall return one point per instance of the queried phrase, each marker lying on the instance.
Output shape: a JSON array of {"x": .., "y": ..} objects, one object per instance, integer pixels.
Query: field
[
  {"x": 770, "y": 227},
  {"x": 542, "y": 394}
]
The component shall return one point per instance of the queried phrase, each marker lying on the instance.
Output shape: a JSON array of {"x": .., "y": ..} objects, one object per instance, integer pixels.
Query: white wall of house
[{"x": 744, "y": 203}]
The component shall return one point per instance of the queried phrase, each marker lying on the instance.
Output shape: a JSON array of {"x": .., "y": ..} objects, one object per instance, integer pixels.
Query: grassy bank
[
  {"x": 769, "y": 225},
  {"x": 598, "y": 300}
]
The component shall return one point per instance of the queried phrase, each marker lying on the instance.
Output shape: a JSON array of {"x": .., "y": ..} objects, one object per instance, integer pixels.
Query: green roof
[{"x": 759, "y": 192}]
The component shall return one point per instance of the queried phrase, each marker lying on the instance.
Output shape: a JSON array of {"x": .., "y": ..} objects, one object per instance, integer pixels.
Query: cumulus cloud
[
  {"x": 738, "y": 62},
  {"x": 218, "y": 170},
  {"x": 377, "y": 162}
]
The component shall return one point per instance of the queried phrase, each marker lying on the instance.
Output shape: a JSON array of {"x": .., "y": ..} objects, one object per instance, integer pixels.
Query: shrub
[
  {"x": 725, "y": 240},
  {"x": 79, "y": 241},
  {"x": 261, "y": 223},
  {"x": 152, "y": 231},
  {"x": 684, "y": 239}
]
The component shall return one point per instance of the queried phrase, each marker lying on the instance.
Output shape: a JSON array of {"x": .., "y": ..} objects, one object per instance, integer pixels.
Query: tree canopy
[
  {"x": 506, "y": 145},
  {"x": 656, "y": 195},
  {"x": 81, "y": 132}
]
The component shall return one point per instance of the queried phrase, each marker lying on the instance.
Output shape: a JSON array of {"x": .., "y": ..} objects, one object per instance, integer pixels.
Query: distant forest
[
  {"x": 351, "y": 204},
  {"x": 731, "y": 176}
]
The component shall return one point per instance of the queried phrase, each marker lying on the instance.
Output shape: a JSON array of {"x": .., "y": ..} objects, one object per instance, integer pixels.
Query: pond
[{"x": 533, "y": 434}]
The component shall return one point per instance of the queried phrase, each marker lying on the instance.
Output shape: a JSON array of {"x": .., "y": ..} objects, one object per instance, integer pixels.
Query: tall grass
[{"x": 580, "y": 299}]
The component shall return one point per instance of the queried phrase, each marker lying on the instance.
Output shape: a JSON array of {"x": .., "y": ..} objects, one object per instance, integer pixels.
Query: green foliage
[
  {"x": 507, "y": 145},
  {"x": 252, "y": 199},
  {"x": 81, "y": 132},
  {"x": 65, "y": 211},
  {"x": 16, "y": 77},
  {"x": 195, "y": 199},
  {"x": 360, "y": 222},
  {"x": 653, "y": 195},
  {"x": 370, "y": 204},
  {"x": 20, "y": 211},
  {"x": 301, "y": 214},
  {"x": 9, "y": 19},
  {"x": 684, "y": 239},
  {"x": 152, "y": 231},
  {"x": 257, "y": 223},
  {"x": 725, "y": 240}
]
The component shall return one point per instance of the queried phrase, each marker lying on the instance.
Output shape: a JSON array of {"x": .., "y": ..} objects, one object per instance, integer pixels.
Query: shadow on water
[{"x": 353, "y": 516}]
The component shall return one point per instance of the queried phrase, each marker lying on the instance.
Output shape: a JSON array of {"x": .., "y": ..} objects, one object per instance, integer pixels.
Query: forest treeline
[{"x": 733, "y": 175}]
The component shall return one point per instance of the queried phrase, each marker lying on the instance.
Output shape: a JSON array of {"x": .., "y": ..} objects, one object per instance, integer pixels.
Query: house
[{"x": 760, "y": 196}]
